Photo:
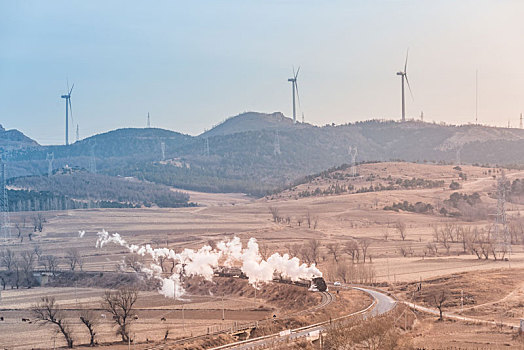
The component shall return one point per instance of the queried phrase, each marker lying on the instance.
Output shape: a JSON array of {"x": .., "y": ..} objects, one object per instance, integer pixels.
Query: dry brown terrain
[{"x": 339, "y": 219}]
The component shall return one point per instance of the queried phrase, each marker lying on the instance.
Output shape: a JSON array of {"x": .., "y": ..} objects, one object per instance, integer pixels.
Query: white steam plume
[{"x": 203, "y": 261}]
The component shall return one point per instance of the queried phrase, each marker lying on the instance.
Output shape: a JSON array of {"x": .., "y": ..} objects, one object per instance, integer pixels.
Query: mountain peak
[{"x": 250, "y": 121}]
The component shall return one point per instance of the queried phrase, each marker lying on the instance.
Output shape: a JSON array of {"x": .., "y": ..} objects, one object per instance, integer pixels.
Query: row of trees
[
  {"x": 119, "y": 304},
  {"x": 307, "y": 218},
  {"x": 18, "y": 266}
]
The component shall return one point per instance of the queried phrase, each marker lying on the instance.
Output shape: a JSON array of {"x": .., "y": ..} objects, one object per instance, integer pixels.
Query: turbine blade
[
  {"x": 296, "y": 75},
  {"x": 71, "y": 89},
  {"x": 293, "y": 71},
  {"x": 409, "y": 87},
  {"x": 406, "y": 64},
  {"x": 71, "y": 111}
]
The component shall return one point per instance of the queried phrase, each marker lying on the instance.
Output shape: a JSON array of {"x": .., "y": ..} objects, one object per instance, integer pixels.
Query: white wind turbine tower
[
  {"x": 404, "y": 76},
  {"x": 67, "y": 98},
  {"x": 294, "y": 90}
]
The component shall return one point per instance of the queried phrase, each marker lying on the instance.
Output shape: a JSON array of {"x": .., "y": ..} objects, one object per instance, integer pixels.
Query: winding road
[{"x": 382, "y": 303}]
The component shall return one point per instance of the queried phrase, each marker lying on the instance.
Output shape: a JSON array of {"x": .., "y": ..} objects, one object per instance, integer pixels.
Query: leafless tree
[
  {"x": 308, "y": 219},
  {"x": 7, "y": 259},
  {"x": 27, "y": 264},
  {"x": 315, "y": 222},
  {"x": 275, "y": 213},
  {"x": 439, "y": 298},
  {"x": 48, "y": 312},
  {"x": 353, "y": 250},
  {"x": 314, "y": 249},
  {"x": 264, "y": 250},
  {"x": 120, "y": 304},
  {"x": 300, "y": 219},
  {"x": 38, "y": 222},
  {"x": 90, "y": 320},
  {"x": 401, "y": 228},
  {"x": 432, "y": 248},
  {"x": 49, "y": 263},
  {"x": 334, "y": 250},
  {"x": 364, "y": 244},
  {"x": 74, "y": 259},
  {"x": 134, "y": 262}
]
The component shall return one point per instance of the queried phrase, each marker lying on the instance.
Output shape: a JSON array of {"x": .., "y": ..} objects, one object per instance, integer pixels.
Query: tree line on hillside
[{"x": 84, "y": 190}]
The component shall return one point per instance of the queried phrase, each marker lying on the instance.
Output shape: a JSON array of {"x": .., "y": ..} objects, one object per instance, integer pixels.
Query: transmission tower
[
  {"x": 353, "y": 154},
  {"x": 5, "y": 224},
  {"x": 163, "y": 147},
  {"x": 50, "y": 157},
  {"x": 92, "y": 160},
  {"x": 148, "y": 120},
  {"x": 457, "y": 156},
  {"x": 521, "y": 121},
  {"x": 276, "y": 151},
  {"x": 502, "y": 237}
]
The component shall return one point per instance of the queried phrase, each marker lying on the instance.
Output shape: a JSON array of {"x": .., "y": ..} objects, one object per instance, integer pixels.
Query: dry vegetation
[{"x": 348, "y": 235}]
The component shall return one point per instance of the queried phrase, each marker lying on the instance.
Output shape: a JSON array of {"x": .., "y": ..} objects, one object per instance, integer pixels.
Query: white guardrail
[{"x": 288, "y": 332}]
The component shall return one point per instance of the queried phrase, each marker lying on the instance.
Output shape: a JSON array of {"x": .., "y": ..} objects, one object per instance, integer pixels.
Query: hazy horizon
[{"x": 193, "y": 65}]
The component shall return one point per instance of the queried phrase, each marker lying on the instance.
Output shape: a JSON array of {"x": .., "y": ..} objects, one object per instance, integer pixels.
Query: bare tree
[
  {"x": 314, "y": 249},
  {"x": 49, "y": 263},
  {"x": 74, "y": 259},
  {"x": 120, "y": 304},
  {"x": 38, "y": 222},
  {"x": 133, "y": 262},
  {"x": 353, "y": 250},
  {"x": 90, "y": 320},
  {"x": 401, "y": 229},
  {"x": 48, "y": 312},
  {"x": 264, "y": 250},
  {"x": 308, "y": 219},
  {"x": 334, "y": 250},
  {"x": 275, "y": 213},
  {"x": 300, "y": 219},
  {"x": 439, "y": 298},
  {"x": 27, "y": 264},
  {"x": 7, "y": 259},
  {"x": 364, "y": 244}
]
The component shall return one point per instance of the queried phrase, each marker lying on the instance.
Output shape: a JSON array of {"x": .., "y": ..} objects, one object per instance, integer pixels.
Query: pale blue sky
[{"x": 193, "y": 63}]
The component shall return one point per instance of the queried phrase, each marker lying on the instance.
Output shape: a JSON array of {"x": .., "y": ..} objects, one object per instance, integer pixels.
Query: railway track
[{"x": 326, "y": 299}]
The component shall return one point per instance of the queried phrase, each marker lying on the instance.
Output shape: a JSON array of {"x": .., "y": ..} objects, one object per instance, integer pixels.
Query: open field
[{"x": 334, "y": 220}]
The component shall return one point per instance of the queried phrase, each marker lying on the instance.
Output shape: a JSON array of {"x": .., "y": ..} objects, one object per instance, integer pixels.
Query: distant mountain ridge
[
  {"x": 257, "y": 152},
  {"x": 14, "y": 139}
]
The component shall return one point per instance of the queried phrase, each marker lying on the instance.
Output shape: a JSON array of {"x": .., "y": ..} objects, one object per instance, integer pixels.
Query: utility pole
[{"x": 502, "y": 237}]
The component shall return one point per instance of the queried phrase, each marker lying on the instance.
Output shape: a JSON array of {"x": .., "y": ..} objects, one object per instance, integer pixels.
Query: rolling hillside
[{"x": 242, "y": 155}]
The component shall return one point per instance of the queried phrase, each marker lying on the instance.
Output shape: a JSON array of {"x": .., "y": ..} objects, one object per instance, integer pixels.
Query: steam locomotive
[{"x": 316, "y": 284}]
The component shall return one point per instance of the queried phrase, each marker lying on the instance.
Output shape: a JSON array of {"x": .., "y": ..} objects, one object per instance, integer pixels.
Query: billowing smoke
[{"x": 203, "y": 261}]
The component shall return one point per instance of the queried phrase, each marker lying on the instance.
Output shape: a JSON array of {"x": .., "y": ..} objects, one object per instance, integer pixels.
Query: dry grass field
[{"x": 335, "y": 220}]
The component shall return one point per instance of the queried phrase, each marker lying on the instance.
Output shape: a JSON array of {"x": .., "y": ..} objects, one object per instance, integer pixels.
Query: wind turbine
[
  {"x": 294, "y": 87},
  {"x": 68, "y": 106},
  {"x": 404, "y": 75}
]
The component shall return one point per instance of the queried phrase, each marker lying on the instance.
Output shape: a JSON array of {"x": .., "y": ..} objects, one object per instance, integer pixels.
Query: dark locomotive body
[{"x": 315, "y": 284}]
